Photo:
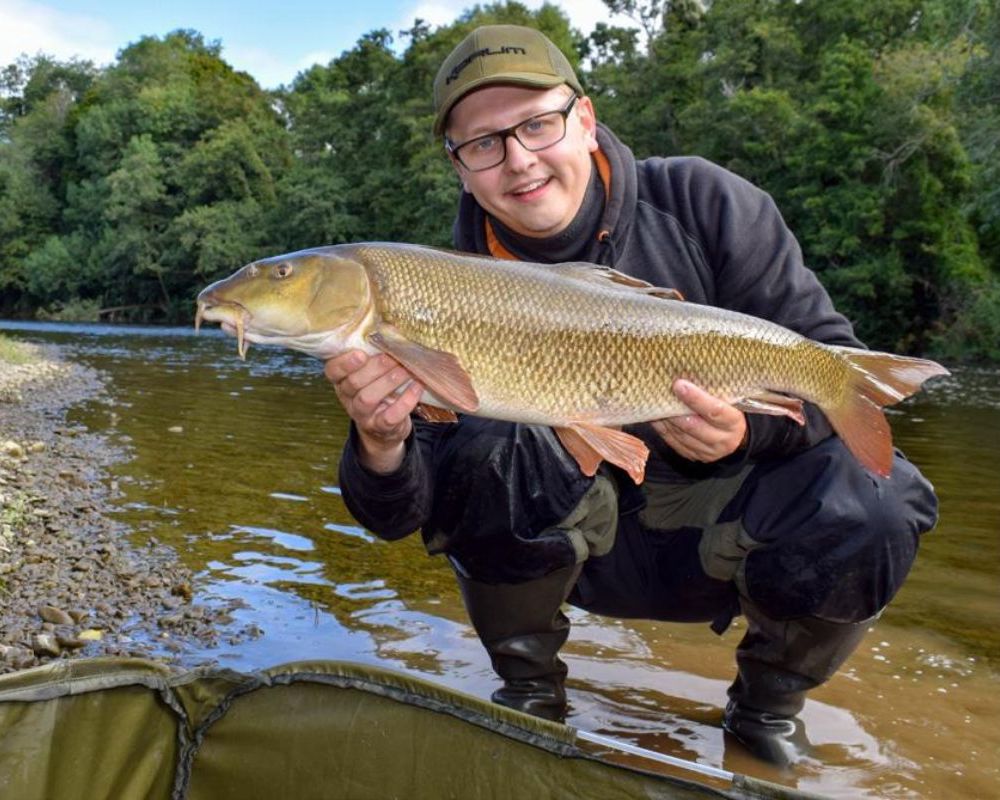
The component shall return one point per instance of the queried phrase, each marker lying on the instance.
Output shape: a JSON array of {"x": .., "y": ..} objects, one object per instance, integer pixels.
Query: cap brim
[{"x": 530, "y": 79}]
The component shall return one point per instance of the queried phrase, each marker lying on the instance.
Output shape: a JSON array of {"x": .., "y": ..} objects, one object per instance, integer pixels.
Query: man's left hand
[{"x": 713, "y": 430}]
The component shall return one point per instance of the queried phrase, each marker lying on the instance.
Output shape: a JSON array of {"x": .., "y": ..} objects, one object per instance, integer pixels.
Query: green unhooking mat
[{"x": 129, "y": 728}]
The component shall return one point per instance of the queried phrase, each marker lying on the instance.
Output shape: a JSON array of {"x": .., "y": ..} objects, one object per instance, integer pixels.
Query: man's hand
[
  {"x": 713, "y": 431},
  {"x": 366, "y": 386}
]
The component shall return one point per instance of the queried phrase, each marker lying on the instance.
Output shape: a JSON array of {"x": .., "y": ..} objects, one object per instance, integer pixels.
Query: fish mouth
[{"x": 233, "y": 317}]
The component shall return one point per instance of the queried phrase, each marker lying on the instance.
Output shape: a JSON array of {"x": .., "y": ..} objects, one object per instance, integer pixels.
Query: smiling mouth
[{"x": 531, "y": 187}]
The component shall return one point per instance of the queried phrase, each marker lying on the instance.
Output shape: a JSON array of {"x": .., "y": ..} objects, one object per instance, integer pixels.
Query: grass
[
  {"x": 14, "y": 511},
  {"x": 14, "y": 352},
  {"x": 13, "y": 519}
]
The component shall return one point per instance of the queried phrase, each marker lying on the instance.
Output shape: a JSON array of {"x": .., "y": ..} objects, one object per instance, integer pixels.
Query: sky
[{"x": 273, "y": 40}]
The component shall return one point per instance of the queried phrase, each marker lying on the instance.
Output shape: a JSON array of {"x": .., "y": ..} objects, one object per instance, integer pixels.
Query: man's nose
[{"x": 519, "y": 157}]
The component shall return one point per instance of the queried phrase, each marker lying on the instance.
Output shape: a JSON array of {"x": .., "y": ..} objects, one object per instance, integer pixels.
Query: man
[{"x": 739, "y": 514}]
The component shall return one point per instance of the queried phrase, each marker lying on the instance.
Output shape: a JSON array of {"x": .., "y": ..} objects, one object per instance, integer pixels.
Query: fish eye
[{"x": 282, "y": 270}]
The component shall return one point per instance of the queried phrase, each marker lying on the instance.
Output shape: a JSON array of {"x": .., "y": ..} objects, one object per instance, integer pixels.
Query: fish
[{"x": 579, "y": 347}]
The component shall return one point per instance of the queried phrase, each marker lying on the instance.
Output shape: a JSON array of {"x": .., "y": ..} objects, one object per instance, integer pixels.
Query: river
[{"x": 234, "y": 464}]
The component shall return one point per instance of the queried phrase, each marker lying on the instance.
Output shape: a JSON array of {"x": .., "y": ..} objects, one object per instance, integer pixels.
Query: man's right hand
[{"x": 366, "y": 386}]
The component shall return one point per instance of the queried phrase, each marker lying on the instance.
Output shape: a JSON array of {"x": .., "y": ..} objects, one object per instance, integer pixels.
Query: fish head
[{"x": 312, "y": 300}]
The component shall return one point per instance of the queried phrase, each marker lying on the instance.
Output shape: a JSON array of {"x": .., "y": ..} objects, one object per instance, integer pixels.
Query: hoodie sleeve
[
  {"x": 396, "y": 504},
  {"x": 757, "y": 268}
]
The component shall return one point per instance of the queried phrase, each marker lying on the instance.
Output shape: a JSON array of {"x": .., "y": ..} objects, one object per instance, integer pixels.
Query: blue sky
[{"x": 273, "y": 41}]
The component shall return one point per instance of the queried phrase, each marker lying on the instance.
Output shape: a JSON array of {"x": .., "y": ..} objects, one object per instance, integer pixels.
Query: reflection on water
[{"x": 235, "y": 465}]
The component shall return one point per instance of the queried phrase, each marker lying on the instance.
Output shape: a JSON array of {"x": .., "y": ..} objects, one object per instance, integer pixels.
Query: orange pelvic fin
[
  {"x": 591, "y": 444},
  {"x": 878, "y": 379},
  {"x": 439, "y": 371},
  {"x": 435, "y": 413}
]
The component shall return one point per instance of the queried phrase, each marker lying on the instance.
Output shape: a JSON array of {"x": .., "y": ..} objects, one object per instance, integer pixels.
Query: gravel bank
[{"x": 71, "y": 582}]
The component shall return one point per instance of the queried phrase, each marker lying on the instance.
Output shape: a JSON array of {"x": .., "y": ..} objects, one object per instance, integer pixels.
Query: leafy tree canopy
[{"x": 876, "y": 127}]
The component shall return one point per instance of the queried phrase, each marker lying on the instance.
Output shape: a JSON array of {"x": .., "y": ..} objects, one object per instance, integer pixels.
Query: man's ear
[
  {"x": 460, "y": 171},
  {"x": 588, "y": 119}
]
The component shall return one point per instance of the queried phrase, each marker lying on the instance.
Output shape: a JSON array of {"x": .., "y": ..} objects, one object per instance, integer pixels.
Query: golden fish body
[
  {"x": 578, "y": 347},
  {"x": 542, "y": 347}
]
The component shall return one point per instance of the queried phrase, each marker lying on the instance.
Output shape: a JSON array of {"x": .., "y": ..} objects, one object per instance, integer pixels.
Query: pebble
[
  {"x": 12, "y": 449},
  {"x": 45, "y": 644},
  {"x": 55, "y": 615},
  {"x": 69, "y": 642}
]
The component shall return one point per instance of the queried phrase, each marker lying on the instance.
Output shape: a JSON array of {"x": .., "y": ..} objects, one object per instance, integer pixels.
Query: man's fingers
[
  {"x": 339, "y": 367},
  {"x": 401, "y": 408},
  {"x": 694, "y": 438},
  {"x": 372, "y": 369},
  {"x": 717, "y": 412},
  {"x": 375, "y": 392}
]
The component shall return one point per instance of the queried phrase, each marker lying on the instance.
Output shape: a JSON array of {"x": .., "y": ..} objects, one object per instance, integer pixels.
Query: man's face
[{"x": 532, "y": 193}]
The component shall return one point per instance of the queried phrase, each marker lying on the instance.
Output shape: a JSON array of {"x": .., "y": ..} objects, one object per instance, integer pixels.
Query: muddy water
[{"x": 235, "y": 465}]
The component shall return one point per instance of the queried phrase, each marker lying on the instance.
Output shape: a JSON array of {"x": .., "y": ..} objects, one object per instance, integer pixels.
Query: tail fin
[{"x": 876, "y": 380}]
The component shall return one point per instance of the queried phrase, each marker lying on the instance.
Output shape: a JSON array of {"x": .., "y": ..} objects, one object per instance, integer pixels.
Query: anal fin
[
  {"x": 591, "y": 444},
  {"x": 780, "y": 405}
]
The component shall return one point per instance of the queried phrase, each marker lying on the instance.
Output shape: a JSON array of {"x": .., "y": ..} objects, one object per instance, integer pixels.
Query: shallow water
[{"x": 235, "y": 465}]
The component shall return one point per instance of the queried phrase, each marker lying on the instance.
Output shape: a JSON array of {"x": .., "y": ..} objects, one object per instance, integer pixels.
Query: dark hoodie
[{"x": 682, "y": 223}]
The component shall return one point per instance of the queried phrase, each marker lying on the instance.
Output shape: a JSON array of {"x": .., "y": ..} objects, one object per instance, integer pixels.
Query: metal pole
[{"x": 635, "y": 750}]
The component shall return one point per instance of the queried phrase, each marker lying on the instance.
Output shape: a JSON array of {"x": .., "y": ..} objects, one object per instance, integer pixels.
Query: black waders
[{"x": 522, "y": 628}]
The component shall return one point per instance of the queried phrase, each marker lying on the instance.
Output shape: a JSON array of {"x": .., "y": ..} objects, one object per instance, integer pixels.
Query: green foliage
[
  {"x": 14, "y": 352},
  {"x": 875, "y": 126},
  {"x": 147, "y": 176},
  {"x": 74, "y": 310},
  {"x": 974, "y": 329}
]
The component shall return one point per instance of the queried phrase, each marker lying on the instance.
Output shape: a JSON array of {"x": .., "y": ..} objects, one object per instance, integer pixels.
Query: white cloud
[
  {"x": 267, "y": 68},
  {"x": 32, "y": 28},
  {"x": 583, "y": 14},
  {"x": 434, "y": 14}
]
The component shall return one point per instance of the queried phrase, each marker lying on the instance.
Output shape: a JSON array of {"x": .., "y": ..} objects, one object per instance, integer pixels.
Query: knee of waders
[
  {"x": 822, "y": 537},
  {"x": 492, "y": 476},
  {"x": 588, "y": 530}
]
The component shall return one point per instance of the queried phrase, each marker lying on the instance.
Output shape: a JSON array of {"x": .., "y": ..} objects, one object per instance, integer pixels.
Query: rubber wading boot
[
  {"x": 522, "y": 628},
  {"x": 778, "y": 662}
]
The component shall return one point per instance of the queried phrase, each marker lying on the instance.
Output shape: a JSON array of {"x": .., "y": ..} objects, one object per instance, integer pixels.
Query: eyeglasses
[{"x": 534, "y": 134}]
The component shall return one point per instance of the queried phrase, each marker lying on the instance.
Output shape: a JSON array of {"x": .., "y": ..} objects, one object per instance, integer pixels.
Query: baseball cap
[{"x": 499, "y": 54}]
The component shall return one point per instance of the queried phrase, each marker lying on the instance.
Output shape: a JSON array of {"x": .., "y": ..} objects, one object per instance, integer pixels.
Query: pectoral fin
[
  {"x": 612, "y": 278},
  {"x": 590, "y": 444},
  {"x": 435, "y": 414},
  {"x": 773, "y": 403},
  {"x": 439, "y": 371}
]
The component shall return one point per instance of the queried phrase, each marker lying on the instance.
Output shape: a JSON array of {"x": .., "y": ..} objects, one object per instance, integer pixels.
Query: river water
[{"x": 234, "y": 464}]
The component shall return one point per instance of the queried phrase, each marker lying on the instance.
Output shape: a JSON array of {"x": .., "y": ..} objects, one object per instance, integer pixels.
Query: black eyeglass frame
[{"x": 506, "y": 133}]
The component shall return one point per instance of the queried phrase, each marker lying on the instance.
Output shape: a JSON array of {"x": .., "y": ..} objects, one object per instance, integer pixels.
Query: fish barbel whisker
[{"x": 241, "y": 339}]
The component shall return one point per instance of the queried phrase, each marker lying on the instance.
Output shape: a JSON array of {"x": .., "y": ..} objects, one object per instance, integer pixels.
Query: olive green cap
[{"x": 499, "y": 54}]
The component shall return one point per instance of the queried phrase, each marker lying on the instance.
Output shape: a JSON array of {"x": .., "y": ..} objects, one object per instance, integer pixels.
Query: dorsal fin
[{"x": 611, "y": 279}]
